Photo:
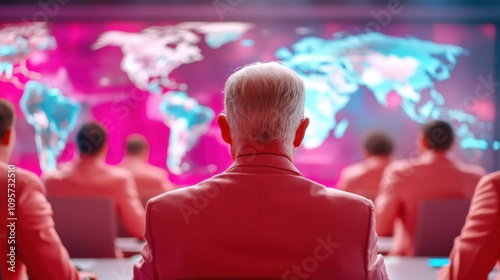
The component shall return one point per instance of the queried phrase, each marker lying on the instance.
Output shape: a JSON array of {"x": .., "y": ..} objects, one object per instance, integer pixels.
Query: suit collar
[
  {"x": 378, "y": 160},
  {"x": 265, "y": 160},
  {"x": 83, "y": 163},
  {"x": 435, "y": 155},
  {"x": 132, "y": 160}
]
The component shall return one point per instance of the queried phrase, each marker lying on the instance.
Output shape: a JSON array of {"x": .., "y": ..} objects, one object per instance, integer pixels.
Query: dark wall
[{"x": 445, "y": 3}]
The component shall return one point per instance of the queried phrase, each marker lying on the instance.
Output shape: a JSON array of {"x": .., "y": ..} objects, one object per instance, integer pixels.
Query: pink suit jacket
[
  {"x": 363, "y": 178},
  {"x": 260, "y": 219},
  {"x": 91, "y": 177},
  {"x": 478, "y": 247},
  {"x": 149, "y": 179},
  {"x": 39, "y": 252},
  {"x": 433, "y": 175}
]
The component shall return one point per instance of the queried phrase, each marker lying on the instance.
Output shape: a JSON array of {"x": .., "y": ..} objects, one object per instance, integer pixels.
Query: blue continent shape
[
  {"x": 216, "y": 40},
  {"x": 53, "y": 116},
  {"x": 334, "y": 69},
  {"x": 17, "y": 43},
  {"x": 187, "y": 120}
]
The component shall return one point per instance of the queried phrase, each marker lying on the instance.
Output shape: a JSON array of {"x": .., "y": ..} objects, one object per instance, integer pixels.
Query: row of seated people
[
  {"x": 260, "y": 218},
  {"x": 129, "y": 186},
  {"x": 398, "y": 187}
]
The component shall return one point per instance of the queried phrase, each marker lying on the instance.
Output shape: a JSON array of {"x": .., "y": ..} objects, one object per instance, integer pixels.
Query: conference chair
[
  {"x": 87, "y": 226},
  {"x": 122, "y": 230},
  {"x": 438, "y": 223}
]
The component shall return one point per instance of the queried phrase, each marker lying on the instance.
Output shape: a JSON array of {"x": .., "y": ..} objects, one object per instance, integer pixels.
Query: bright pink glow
[
  {"x": 393, "y": 100},
  {"x": 484, "y": 110},
  {"x": 95, "y": 79}
]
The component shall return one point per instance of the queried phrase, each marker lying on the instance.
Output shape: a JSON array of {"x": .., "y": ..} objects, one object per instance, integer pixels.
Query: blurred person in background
[
  {"x": 29, "y": 245},
  {"x": 363, "y": 178},
  {"x": 435, "y": 174},
  {"x": 477, "y": 249},
  {"x": 149, "y": 179},
  {"x": 89, "y": 176}
]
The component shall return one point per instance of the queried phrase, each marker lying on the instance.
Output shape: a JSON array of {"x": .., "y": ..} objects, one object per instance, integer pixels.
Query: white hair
[{"x": 264, "y": 102}]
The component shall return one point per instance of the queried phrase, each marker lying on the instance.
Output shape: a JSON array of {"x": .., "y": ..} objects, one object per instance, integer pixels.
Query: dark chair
[
  {"x": 87, "y": 226},
  {"x": 438, "y": 223}
]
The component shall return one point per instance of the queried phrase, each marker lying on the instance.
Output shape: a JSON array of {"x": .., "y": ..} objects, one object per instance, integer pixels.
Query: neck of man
[
  {"x": 4, "y": 155},
  {"x": 253, "y": 148},
  {"x": 99, "y": 157},
  {"x": 140, "y": 157}
]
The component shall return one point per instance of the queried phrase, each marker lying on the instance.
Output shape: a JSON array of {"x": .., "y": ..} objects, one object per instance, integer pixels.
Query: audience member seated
[
  {"x": 435, "y": 174},
  {"x": 30, "y": 245},
  {"x": 261, "y": 218},
  {"x": 477, "y": 249},
  {"x": 149, "y": 179},
  {"x": 363, "y": 178},
  {"x": 90, "y": 176}
]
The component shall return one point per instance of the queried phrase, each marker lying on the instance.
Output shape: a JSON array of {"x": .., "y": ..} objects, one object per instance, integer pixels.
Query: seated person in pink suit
[
  {"x": 261, "y": 219},
  {"x": 29, "y": 244},
  {"x": 89, "y": 176},
  {"x": 363, "y": 178},
  {"x": 435, "y": 174},
  {"x": 149, "y": 179},
  {"x": 477, "y": 249}
]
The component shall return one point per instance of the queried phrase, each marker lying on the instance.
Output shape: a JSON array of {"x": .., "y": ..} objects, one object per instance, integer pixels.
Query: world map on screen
[
  {"x": 334, "y": 69},
  {"x": 400, "y": 72}
]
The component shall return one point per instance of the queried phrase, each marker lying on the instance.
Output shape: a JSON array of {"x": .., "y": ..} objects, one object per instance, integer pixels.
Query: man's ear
[
  {"x": 224, "y": 128},
  {"x": 301, "y": 132},
  {"x": 7, "y": 137},
  {"x": 423, "y": 144}
]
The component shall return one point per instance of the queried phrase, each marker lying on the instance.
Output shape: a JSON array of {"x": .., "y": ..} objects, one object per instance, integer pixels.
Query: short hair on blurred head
[
  {"x": 378, "y": 143},
  {"x": 438, "y": 135},
  {"x": 136, "y": 144},
  {"x": 91, "y": 138},
  {"x": 264, "y": 102},
  {"x": 7, "y": 115}
]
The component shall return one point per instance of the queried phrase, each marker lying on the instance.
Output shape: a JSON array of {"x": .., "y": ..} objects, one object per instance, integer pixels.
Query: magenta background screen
[{"x": 95, "y": 79}]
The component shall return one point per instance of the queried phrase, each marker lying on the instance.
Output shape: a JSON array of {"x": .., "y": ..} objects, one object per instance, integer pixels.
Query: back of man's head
[
  {"x": 438, "y": 135},
  {"x": 378, "y": 143},
  {"x": 136, "y": 145},
  {"x": 264, "y": 103},
  {"x": 91, "y": 139},
  {"x": 7, "y": 113}
]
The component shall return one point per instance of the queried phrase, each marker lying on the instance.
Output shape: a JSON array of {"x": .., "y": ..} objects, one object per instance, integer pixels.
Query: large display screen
[{"x": 164, "y": 80}]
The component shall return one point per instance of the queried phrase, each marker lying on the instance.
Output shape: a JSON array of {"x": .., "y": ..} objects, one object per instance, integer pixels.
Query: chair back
[
  {"x": 438, "y": 223},
  {"x": 122, "y": 230},
  {"x": 87, "y": 226}
]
